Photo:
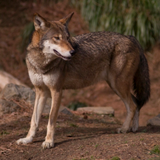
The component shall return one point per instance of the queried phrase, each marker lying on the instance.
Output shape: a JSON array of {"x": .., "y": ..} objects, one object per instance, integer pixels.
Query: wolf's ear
[
  {"x": 66, "y": 20},
  {"x": 40, "y": 22}
]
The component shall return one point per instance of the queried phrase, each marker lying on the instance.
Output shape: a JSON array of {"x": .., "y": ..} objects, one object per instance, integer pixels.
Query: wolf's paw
[
  {"x": 49, "y": 144},
  {"x": 134, "y": 128},
  {"x": 122, "y": 130},
  {"x": 24, "y": 141}
]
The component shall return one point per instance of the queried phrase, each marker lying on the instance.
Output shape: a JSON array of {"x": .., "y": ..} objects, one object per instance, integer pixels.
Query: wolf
[{"x": 58, "y": 61}]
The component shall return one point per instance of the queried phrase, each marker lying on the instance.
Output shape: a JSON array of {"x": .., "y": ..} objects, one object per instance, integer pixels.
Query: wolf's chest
[
  {"x": 39, "y": 79},
  {"x": 36, "y": 78}
]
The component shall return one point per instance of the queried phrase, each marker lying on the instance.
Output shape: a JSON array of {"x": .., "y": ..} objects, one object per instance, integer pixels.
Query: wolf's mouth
[{"x": 59, "y": 55}]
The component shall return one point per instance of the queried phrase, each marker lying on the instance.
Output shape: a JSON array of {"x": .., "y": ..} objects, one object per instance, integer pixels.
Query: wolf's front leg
[
  {"x": 41, "y": 97},
  {"x": 56, "y": 98}
]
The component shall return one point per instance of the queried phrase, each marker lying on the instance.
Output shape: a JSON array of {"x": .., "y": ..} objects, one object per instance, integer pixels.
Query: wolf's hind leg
[
  {"x": 122, "y": 87},
  {"x": 41, "y": 97},
  {"x": 135, "y": 123},
  {"x": 131, "y": 107},
  {"x": 120, "y": 78}
]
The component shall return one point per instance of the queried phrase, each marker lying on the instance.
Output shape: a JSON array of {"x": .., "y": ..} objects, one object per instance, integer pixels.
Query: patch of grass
[
  {"x": 73, "y": 125},
  {"x": 25, "y": 128},
  {"x": 46, "y": 117},
  {"x": 113, "y": 132},
  {"x": 3, "y": 133},
  {"x": 58, "y": 126},
  {"x": 80, "y": 159},
  {"x": 142, "y": 139},
  {"x": 154, "y": 158},
  {"x": 144, "y": 131},
  {"x": 155, "y": 150},
  {"x": 93, "y": 158},
  {"x": 115, "y": 158},
  {"x": 87, "y": 152},
  {"x": 96, "y": 145},
  {"x": 75, "y": 105},
  {"x": 81, "y": 147},
  {"x": 111, "y": 115}
]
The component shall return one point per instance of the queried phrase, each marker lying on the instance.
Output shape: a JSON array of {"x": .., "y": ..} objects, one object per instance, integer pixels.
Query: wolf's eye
[{"x": 57, "y": 38}]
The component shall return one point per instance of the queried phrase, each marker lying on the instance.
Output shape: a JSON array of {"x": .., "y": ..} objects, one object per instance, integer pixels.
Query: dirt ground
[{"x": 76, "y": 138}]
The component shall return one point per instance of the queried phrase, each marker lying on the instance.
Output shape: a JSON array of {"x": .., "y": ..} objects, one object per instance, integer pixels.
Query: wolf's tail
[{"x": 141, "y": 83}]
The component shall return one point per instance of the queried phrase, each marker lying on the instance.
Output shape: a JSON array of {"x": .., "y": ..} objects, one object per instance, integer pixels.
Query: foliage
[
  {"x": 75, "y": 105},
  {"x": 73, "y": 125},
  {"x": 155, "y": 150},
  {"x": 138, "y": 18},
  {"x": 26, "y": 35},
  {"x": 115, "y": 158},
  {"x": 3, "y": 133}
]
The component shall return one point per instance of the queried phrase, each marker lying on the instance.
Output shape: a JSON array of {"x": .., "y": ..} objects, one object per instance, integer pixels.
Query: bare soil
[
  {"x": 77, "y": 138},
  {"x": 85, "y": 137}
]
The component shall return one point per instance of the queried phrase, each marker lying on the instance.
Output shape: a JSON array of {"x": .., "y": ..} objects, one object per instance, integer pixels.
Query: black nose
[{"x": 72, "y": 52}]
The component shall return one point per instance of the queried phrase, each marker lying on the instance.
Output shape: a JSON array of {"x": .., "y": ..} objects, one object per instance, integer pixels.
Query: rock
[
  {"x": 98, "y": 110},
  {"x": 158, "y": 116},
  {"x": 10, "y": 91},
  {"x": 27, "y": 94},
  {"x": 66, "y": 111},
  {"x": 8, "y": 107},
  {"x": 63, "y": 110},
  {"x": 15, "y": 92},
  {"x": 6, "y": 78},
  {"x": 155, "y": 121}
]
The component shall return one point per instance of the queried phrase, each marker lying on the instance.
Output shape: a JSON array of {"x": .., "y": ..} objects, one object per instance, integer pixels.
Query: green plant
[
  {"x": 111, "y": 115},
  {"x": 115, "y": 158},
  {"x": 3, "y": 133},
  {"x": 138, "y": 18},
  {"x": 96, "y": 145},
  {"x": 75, "y": 105},
  {"x": 26, "y": 35},
  {"x": 73, "y": 125},
  {"x": 80, "y": 159},
  {"x": 92, "y": 158},
  {"x": 144, "y": 131},
  {"x": 154, "y": 158},
  {"x": 155, "y": 150}
]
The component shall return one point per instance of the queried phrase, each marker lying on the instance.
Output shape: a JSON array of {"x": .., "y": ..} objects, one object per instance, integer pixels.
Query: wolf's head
[{"x": 53, "y": 36}]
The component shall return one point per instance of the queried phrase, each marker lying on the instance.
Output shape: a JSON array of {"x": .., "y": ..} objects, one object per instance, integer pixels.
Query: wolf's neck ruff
[{"x": 39, "y": 61}]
